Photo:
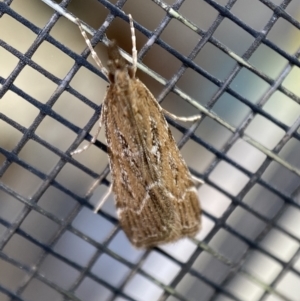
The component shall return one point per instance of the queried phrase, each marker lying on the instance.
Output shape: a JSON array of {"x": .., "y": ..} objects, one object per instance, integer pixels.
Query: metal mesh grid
[{"x": 245, "y": 148}]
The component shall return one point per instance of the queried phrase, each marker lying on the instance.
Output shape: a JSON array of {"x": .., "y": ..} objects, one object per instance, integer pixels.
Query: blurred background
[{"x": 235, "y": 62}]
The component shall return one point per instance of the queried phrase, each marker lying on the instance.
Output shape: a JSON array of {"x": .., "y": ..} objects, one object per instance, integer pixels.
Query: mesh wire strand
[{"x": 218, "y": 288}]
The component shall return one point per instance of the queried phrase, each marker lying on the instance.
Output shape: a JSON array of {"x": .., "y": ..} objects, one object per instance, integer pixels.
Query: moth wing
[
  {"x": 171, "y": 170},
  {"x": 155, "y": 196}
]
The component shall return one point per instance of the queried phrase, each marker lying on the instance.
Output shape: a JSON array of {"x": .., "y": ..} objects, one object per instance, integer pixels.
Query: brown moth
[{"x": 156, "y": 198}]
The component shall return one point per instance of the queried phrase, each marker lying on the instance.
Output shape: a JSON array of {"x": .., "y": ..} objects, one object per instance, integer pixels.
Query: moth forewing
[{"x": 156, "y": 198}]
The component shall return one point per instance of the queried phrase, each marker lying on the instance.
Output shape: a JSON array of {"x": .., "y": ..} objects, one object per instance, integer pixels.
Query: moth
[{"x": 155, "y": 194}]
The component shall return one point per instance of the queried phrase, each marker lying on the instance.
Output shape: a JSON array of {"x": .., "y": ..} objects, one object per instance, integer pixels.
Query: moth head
[{"x": 116, "y": 61}]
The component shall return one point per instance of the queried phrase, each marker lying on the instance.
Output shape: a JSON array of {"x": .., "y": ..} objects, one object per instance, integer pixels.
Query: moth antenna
[
  {"x": 133, "y": 40},
  {"x": 93, "y": 52}
]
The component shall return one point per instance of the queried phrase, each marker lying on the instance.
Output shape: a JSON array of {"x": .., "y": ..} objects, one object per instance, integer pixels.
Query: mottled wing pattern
[{"x": 156, "y": 198}]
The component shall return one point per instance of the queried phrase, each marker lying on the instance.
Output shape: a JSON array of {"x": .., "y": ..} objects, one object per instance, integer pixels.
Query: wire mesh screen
[{"x": 233, "y": 61}]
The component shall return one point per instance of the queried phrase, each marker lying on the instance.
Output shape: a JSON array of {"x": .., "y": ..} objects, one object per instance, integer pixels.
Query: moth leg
[
  {"x": 104, "y": 198},
  {"x": 133, "y": 40},
  {"x": 80, "y": 150},
  {"x": 93, "y": 52},
  {"x": 185, "y": 119},
  {"x": 197, "y": 180},
  {"x": 91, "y": 189}
]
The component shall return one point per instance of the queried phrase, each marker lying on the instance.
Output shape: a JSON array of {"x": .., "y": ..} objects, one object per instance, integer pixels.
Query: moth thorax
[{"x": 122, "y": 79}]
